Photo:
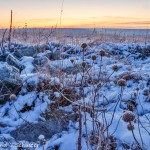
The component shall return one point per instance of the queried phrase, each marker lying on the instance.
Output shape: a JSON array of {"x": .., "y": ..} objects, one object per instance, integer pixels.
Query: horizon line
[{"x": 128, "y": 28}]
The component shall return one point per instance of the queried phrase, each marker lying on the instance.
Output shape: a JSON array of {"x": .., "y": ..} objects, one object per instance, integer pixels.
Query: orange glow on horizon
[
  {"x": 81, "y": 24},
  {"x": 106, "y": 14},
  {"x": 76, "y": 13}
]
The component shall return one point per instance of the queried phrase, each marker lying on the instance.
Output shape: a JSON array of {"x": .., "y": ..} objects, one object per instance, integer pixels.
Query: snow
[
  {"x": 41, "y": 137},
  {"x": 57, "y": 94},
  {"x": 13, "y": 116},
  {"x": 28, "y": 63}
]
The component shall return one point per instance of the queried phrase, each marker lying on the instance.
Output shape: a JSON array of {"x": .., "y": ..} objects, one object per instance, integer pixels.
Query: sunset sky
[{"x": 76, "y": 13}]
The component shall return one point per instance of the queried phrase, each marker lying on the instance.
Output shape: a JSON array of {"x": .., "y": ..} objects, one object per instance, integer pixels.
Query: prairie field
[{"x": 75, "y": 89}]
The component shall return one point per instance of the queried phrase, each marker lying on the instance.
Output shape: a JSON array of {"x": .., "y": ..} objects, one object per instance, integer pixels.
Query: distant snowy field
[{"x": 77, "y": 36}]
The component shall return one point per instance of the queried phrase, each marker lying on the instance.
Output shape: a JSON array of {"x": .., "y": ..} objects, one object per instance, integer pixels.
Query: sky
[{"x": 76, "y": 13}]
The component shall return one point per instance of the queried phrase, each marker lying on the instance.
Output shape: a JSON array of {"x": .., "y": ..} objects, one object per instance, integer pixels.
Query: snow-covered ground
[{"x": 70, "y": 78}]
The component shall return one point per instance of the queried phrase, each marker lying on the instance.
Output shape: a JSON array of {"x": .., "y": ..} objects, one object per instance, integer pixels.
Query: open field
[
  {"x": 69, "y": 89},
  {"x": 77, "y": 36}
]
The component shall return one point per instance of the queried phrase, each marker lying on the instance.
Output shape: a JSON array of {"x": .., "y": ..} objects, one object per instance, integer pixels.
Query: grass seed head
[
  {"x": 93, "y": 57},
  {"x": 13, "y": 97},
  {"x": 130, "y": 127},
  {"x": 102, "y": 53},
  {"x": 115, "y": 68},
  {"x": 128, "y": 116},
  {"x": 84, "y": 64},
  {"x": 121, "y": 82},
  {"x": 72, "y": 60},
  {"x": 84, "y": 45}
]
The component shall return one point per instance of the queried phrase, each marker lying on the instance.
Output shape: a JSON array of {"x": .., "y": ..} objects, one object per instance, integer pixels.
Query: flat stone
[
  {"x": 56, "y": 122},
  {"x": 10, "y": 81},
  {"x": 26, "y": 51},
  {"x": 11, "y": 60}
]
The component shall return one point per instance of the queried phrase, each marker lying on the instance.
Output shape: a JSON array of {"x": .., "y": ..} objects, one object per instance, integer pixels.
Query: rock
[
  {"x": 26, "y": 51},
  {"x": 55, "y": 55},
  {"x": 11, "y": 60},
  {"x": 10, "y": 81},
  {"x": 145, "y": 51},
  {"x": 31, "y": 132},
  {"x": 56, "y": 123},
  {"x": 48, "y": 54},
  {"x": 45, "y": 46},
  {"x": 3, "y": 58},
  {"x": 64, "y": 55},
  {"x": 146, "y": 91},
  {"x": 40, "y": 59},
  {"x": 72, "y": 51},
  {"x": 76, "y": 68},
  {"x": 6, "y": 139}
]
